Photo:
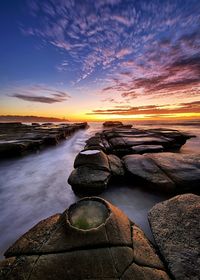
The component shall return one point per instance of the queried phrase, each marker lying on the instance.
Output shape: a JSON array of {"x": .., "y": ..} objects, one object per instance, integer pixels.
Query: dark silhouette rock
[
  {"x": 175, "y": 226},
  {"x": 141, "y": 149},
  {"x": 112, "y": 123},
  {"x": 88, "y": 180},
  {"x": 94, "y": 158},
  {"x": 116, "y": 165},
  {"x": 91, "y": 240},
  {"x": 17, "y": 139},
  {"x": 123, "y": 140}
]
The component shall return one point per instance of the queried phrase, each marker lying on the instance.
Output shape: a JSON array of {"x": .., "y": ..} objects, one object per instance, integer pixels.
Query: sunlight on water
[{"x": 35, "y": 187}]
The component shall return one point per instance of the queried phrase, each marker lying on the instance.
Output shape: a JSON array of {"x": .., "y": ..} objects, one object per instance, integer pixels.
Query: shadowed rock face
[
  {"x": 112, "y": 124},
  {"x": 125, "y": 140},
  {"x": 17, "y": 139},
  {"x": 108, "y": 246},
  {"x": 166, "y": 171},
  {"x": 93, "y": 170},
  {"x": 175, "y": 224}
]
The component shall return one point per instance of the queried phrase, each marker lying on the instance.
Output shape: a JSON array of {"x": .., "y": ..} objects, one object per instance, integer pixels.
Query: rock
[
  {"x": 166, "y": 171},
  {"x": 141, "y": 149},
  {"x": 91, "y": 240},
  {"x": 144, "y": 168},
  {"x": 93, "y": 171},
  {"x": 144, "y": 253},
  {"x": 116, "y": 165},
  {"x": 88, "y": 180},
  {"x": 183, "y": 169},
  {"x": 125, "y": 140},
  {"x": 175, "y": 225},
  {"x": 11, "y": 149},
  {"x": 17, "y": 139},
  {"x": 144, "y": 273},
  {"x": 112, "y": 123},
  {"x": 92, "y": 158}
]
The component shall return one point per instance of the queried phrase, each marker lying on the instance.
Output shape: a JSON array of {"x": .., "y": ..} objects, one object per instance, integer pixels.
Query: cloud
[
  {"x": 38, "y": 93},
  {"x": 187, "y": 107},
  {"x": 148, "y": 48}
]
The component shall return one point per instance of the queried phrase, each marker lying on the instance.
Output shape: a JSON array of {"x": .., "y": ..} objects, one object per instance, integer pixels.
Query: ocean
[{"x": 35, "y": 186}]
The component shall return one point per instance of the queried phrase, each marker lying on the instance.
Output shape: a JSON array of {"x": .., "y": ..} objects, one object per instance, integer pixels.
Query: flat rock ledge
[
  {"x": 167, "y": 172},
  {"x": 91, "y": 240},
  {"x": 175, "y": 225},
  {"x": 141, "y": 156},
  {"x": 123, "y": 140},
  {"x": 17, "y": 139}
]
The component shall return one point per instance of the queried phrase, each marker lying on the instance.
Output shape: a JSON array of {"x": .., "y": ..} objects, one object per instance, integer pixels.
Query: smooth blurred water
[{"x": 35, "y": 186}]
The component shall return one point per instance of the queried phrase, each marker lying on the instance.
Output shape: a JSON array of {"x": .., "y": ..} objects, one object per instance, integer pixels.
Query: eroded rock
[
  {"x": 17, "y": 139},
  {"x": 88, "y": 180},
  {"x": 166, "y": 171},
  {"x": 91, "y": 240},
  {"x": 175, "y": 225},
  {"x": 93, "y": 171}
]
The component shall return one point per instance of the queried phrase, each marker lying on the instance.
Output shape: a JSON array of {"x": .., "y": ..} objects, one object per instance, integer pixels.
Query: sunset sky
[{"x": 103, "y": 59}]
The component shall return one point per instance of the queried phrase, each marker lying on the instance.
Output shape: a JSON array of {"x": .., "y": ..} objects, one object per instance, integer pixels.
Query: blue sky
[{"x": 108, "y": 57}]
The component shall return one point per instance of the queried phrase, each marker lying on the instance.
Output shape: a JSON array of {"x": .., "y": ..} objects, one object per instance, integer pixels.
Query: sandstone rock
[
  {"x": 116, "y": 165},
  {"x": 144, "y": 253},
  {"x": 166, "y": 171},
  {"x": 17, "y": 139},
  {"x": 112, "y": 123},
  {"x": 91, "y": 240},
  {"x": 141, "y": 149},
  {"x": 93, "y": 158},
  {"x": 143, "y": 168},
  {"x": 85, "y": 179},
  {"x": 175, "y": 225},
  {"x": 183, "y": 169}
]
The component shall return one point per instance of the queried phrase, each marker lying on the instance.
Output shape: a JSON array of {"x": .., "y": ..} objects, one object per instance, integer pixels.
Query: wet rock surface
[
  {"x": 166, "y": 171},
  {"x": 93, "y": 171},
  {"x": 175, "y": 224},
  {"x": 148, "y": 155},
  {"x": 79, "y": 244},
  {"x": 17, "y": 139}
]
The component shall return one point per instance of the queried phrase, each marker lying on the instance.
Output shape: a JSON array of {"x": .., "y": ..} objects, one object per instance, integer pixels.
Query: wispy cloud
[
  {"x": 187, "y": 107},
  {"x": 38, "y": 93},
  {"x": 140, "y": 48}
]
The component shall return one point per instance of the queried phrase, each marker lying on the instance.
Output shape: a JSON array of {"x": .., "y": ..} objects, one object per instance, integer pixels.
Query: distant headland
[{"x": 12, "y": 118}]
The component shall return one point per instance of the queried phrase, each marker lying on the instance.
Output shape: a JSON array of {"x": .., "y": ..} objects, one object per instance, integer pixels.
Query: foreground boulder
[
  {"x": 165, "y": 171},
  {"x": 93, "y": 171},
  {"x": 91, "y": 240},
  {"x": 175, "y": 225}
]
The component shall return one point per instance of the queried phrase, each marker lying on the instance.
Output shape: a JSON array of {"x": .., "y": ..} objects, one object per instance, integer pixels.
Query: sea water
[{"x": 35, "y": 186}]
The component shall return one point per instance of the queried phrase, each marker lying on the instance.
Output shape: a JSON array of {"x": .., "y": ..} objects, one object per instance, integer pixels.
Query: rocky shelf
[
  {"x": 148, "y": 158},
  {"x": 17, "y": 139},
  {"x": 93, "y": 239}
]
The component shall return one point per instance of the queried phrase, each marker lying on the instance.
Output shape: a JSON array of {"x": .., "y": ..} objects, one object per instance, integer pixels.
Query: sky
[{"x": 96, "y": 60}]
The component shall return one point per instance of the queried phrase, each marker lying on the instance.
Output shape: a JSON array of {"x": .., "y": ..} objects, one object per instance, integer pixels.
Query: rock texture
[
  {"x": 91, "y": 240},
  {"x": 100, "y": 161},
  {"x": 123, "y": 140},
  {"x": 93, "y": 170},
  {"x": 175, "y": 224},
  {"x": 166, "y": 171},
  {"x": 17, "y": 139}
]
